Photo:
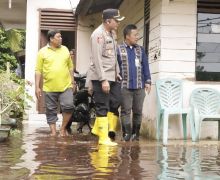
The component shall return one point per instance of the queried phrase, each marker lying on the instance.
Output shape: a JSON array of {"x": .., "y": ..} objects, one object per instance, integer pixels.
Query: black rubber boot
[
  {"x": 127, "y": 132},
  {"x": 135, "y": 132},
  {"x": 111, "y": 135}
]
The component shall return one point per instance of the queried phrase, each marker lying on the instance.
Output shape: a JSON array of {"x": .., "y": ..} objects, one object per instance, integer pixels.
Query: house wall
[
  {"x": 86, "y": 25},
  {"x": 133, "y": 10},
  {"x": 32, "y": 38},
  {"x": 178, "y": 47},
  {"x": 175, "y": 36},
  {"x": 154, "y": 56}
]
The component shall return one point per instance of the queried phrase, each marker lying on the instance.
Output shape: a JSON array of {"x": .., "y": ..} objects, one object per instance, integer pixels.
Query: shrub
[{"x": 12, "y": 95}]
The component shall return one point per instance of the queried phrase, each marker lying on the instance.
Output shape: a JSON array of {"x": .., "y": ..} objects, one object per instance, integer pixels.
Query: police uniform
[{"x": 104, "y": 66}]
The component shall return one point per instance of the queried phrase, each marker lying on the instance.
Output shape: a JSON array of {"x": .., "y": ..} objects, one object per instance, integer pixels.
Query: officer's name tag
[{"x": 137, "y": 62}]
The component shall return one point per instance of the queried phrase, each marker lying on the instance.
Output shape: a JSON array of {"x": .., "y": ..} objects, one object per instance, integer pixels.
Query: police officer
[{"x": 103, "y": 73}]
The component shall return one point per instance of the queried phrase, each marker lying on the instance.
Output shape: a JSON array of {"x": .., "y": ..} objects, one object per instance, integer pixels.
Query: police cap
[{"x": 112, "y": 14}]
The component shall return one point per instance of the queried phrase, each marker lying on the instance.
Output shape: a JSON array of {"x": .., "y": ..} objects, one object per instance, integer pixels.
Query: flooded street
[{"x": 35, "y": 155}]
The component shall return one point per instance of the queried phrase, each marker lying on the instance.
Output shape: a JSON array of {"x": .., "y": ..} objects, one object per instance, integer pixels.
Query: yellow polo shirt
[{"x": 55, "y": 66}]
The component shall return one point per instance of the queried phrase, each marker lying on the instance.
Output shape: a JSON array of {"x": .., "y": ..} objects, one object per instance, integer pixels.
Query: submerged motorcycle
[{"x": 84, "y": 105}]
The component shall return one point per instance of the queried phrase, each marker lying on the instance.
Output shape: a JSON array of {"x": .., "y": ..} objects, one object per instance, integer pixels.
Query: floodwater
[{"x": 35, "y": 155}]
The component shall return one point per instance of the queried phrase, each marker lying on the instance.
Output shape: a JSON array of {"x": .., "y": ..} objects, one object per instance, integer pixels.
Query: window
[
  {"x": 208, "y": 41},
  {"x": 63, "y": 20}
]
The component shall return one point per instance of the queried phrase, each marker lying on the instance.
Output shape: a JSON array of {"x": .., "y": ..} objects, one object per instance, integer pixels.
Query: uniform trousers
[{"x": 104, "y": 102}]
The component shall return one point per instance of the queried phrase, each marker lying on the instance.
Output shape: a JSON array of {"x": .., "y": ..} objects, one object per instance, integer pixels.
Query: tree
[{"x": 10, "y": 42}]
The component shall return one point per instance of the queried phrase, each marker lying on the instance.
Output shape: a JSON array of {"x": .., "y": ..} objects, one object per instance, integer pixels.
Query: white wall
[
  {"x": 154, "y": 58},
  {"x": 178, "y": 45},
  {"x": 178, "y": 37},
  {"x": 32, "y": 37},
  {"x": 133, "y": 10},
  {"x": 86, "y": 25},
  {"x": 178, "y": 21}
]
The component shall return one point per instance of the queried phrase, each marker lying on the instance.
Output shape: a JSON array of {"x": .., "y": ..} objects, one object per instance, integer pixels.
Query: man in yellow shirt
[{"x": 55, "y": 65}]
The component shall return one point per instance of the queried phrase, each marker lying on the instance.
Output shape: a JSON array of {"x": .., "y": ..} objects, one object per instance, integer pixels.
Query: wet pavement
[{"x": 35, "y": 155}]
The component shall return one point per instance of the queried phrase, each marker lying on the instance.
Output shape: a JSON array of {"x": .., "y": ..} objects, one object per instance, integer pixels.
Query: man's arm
[
  {"x": 97, "y": 48},
  {"x": 119, "y": 63},
  {"x": 38, "y": 91},
  {"x": 72, "y": 79},
  {"x": 146, "y": 71},
  {"x": 71, "y": 67},
  {"x": 38, "y": 75},
  {"x": 97, "y": 42}
]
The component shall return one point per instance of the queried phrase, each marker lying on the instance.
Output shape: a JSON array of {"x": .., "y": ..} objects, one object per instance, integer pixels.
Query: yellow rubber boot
[
  {"x": 100, "y": 158},
  {"x": 103, "y": 132},
  {"x": 112, "y": 125},
  {"x": 95, "y": 129}
]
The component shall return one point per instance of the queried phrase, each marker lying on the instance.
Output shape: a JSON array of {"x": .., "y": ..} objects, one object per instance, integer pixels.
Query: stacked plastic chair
[{"x": 205, "y": 105}]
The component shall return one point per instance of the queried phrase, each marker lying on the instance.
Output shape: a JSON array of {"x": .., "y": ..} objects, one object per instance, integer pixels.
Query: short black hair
[
  {"x": 52, "y": 33},
  {"x": 128, "y": 28}
]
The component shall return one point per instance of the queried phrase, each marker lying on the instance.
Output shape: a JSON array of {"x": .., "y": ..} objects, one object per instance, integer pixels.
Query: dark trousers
[
  {"x": 51, "y": 101},
  {"x": 104, "y": 102},
  {"x": 132, "y": 100}
]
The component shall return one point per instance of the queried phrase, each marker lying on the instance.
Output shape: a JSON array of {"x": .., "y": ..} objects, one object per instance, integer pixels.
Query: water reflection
[
  {"x": 102, "y": 159},
  {"x": 28, "y": 157},
  {"x": 10, "y": 154},
  {"x": 37, "y": 156},
  {"x": 129, "y": 166},
  {"x": 189, "y": 162},
  {"x": 62, "y": 158}
]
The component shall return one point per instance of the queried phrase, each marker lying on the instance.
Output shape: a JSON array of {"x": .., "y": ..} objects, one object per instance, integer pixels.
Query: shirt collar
[
  {"x": 131, "y": 47},
  {"x": 48, "y": 46},
  {"x": 106, "y": 32}
]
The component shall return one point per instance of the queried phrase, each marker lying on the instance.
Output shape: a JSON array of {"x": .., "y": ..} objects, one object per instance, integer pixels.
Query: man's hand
[
  {"x": 38, "y": 93},
  {"x": 90, "y": 91},
  {"x": 38, "y": 90},
  {"x": 119, "y": 78},
  {"x": 148, "y": 88},
  {"x": 105, "y": 86},
  {"x": 74, "y": 86}
]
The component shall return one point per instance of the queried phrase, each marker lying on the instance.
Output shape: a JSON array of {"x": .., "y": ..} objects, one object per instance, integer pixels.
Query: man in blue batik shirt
[{"x": 134, "y": 69}]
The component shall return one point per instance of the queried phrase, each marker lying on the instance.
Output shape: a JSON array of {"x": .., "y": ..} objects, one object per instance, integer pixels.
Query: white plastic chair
[
  {"x": 169, "y": 101},
  {"x": 205, "y": 106}
]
